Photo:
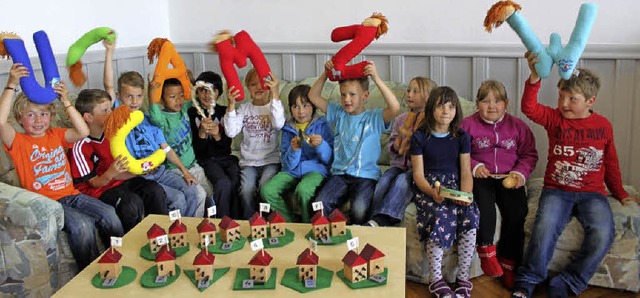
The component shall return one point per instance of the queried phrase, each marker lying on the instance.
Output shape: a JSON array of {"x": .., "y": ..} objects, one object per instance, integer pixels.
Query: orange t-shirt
[{"x": 41, "y": 163}]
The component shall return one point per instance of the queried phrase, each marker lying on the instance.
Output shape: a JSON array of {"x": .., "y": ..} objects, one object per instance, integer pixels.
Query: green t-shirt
[{"x": 177, "y": 131}]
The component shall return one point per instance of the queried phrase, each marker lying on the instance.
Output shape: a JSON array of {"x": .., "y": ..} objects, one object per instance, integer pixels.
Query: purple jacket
[{"x": 502, "y": 147}]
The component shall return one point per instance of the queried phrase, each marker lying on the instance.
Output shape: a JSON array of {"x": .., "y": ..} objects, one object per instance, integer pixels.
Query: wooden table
[{"x": 391, "y": 241}]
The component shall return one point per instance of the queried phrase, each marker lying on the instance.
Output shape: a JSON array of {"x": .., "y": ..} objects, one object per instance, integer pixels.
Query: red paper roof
[
  {"x": 155, "y": 231},
  {"x": 261, "y": 258},
  {"x": 110, "y": 256},
  {"x": 204, "y": 258},
  {"x": 177, "y": 227},
  {"x": 370, "y": 253},
  {"x": 228, "y": 223},
  {"x": 165, "y": 254},
  {"x": 307, "y": 257},
  {"x": 276, "y": 217},
  {"x": 337, "y": 216},
  {"x": 206, "y": 226},
  {"x": 257, "y": 220},
  {"x": 352, "y": 259},
  {"x": 318, "y": 219}
]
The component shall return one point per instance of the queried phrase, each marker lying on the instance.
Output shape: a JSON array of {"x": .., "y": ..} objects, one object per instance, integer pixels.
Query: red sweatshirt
[{"x": 582, "y": 155}]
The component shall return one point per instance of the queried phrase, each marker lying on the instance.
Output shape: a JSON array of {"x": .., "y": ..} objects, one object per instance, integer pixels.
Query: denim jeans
[
  {"x": 179, "y": 194},
  {"x": 358, "y": 190},
  {"x": 554, "y": 212},
  {"x": 82, "y": 214},
  {"x": 201, "y": 193},
  {"x": 392, "y": 193},
  {"x": 251, "y": 180}
]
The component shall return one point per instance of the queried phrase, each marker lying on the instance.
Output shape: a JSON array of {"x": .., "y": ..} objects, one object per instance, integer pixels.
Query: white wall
[
  {"x": 137, "y": 22},
  {"x": 410, "y": 21}
]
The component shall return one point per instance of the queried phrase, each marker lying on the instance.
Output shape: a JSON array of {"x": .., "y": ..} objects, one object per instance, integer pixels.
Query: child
[
  {"x": 500, "y": 144},
  {"x": 96, "y": 173},
  {"x": 42, "y": 167},
  {"x": 582, "y": 160},
  {"x": 259, "y": 121},
  {"x": 307, "y": 148},
  {"x": 145, "y": 139},
  {"x": 440, "y": 152},
  {"x": 174, "y": 123},
  {"x": 213, "y": 147},
  {"x": 393, "y": 191},
  {"x": 357, "y": 141}
]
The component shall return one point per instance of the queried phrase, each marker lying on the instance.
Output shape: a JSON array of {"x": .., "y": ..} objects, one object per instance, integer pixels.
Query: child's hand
[
  {"x": 532, "y": 59},
  {"x": 482, "y": 172},
  {"x": 329, "y": 65},
  {"x": 435, "y": 193},
  {"x": 205, "y": 127},
  {"x": 315, "y": 140},
  {"x": 370, "y": 70},
  {"x": 153, "y": 86},
  {"x": 629, "y": 199},
  {"x": 109, "y": 46},
  {"x": 61, "y": 89},
  {"x": 519, "y": 179},
  {"x": 189, "y": 178},
  {"x": 16, "y": 72},
  {"x": 120, "y": 165},
  {"x": 273, "y": 85},
  {"x": 295, "y": 143},
  {"x": 232, "y": 94}
]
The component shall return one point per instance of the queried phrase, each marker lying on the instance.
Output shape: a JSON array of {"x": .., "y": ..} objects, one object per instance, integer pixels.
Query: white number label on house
[
  {"x": 174, "y": 215},
  {"x": 257, "y": 244},
  {"x": 353, "y": 243},
  {"x": 316, "y": 206}
]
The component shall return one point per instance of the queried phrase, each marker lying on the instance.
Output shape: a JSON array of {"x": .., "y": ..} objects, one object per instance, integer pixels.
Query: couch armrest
[{"x": 27, "y": 209}]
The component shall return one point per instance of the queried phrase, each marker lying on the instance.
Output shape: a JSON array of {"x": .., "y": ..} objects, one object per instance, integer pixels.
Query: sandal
[
  {"x": 463, "y": 288},
  {"x": 441, "y": 289}
]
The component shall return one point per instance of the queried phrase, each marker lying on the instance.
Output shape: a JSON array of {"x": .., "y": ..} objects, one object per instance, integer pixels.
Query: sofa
[{"x": 35, "y": 258}]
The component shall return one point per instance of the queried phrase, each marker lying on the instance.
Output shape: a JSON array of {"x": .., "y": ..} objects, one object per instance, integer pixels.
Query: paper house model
[
  {"x": 258, "y": 226},
  {"x": 229, "y": 230},
  {"x": 152, "y": 233},
  {"x": 338, "y": 223},
  {"x": 307, "y": 265},
  {"x": 355, "y": 267},
  {"x": 260, "y": 267},
  {"x": 178, "y": 234},
  {"x": 320, "y": 226},
  {"x": 166, "y": 261},
  {"x": 277, "y": 224},
  {"x": 109, "y": 263},
  {"x": 374, "y": 258},
  {"x": 203, "y": 265},
  {"x": 206, "y": 228}
]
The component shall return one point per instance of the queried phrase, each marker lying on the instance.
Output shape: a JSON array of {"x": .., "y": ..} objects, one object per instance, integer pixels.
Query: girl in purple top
[{"x": 500, "y": 144}]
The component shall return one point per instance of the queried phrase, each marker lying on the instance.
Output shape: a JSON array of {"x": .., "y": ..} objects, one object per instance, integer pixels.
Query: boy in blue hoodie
[{"x": 307, "y": 150}]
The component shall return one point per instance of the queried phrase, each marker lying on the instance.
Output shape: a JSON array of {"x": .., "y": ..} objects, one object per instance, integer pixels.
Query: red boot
[
  {"x": 488, "y": 261},
  {"x": 508, "y": 267}
]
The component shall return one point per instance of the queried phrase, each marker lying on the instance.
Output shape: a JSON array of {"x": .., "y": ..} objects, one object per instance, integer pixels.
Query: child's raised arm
[
  {"x": 277, "y": 110},
  {"x": 393, "y": 107},
  {"x": 80, "y": 128},
  {"x": 315, "y": 94},
  {"x": 108, "y": 69},
  {"x": 7, "y": 132},
  {"x": 532, "y": 59}
]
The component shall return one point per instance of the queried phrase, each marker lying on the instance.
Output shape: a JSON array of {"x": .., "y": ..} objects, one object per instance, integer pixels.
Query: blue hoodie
[{"x": 308, "y": 158}]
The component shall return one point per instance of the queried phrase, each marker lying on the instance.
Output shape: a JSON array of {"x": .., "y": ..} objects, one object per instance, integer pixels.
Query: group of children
[{"x": 430, "y": 143}]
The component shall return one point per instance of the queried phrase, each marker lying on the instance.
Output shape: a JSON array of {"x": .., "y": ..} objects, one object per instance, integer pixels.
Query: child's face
[
  {"x": 258, "y": 95},
  {"x": 302, "y": 112},
  {"x": 444, "y": 113},
  {"x": 353, "y": 97},
  {"x": 100, "y": 113},
  {"x": 36, "y": 120},
  {"x": 491, "y": 108},
  {"x": 173, "y": 98},
  {"x": 415, "y": 99},
  {"x": 574, "y": 105},
  {"x": 131, "y": 96},
  {"x": 206, "y": 97}
]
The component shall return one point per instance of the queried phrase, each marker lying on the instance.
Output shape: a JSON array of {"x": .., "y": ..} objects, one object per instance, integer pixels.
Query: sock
[
  {"x": 434, "y": 253},
  {"x": 466, "y": 249}
]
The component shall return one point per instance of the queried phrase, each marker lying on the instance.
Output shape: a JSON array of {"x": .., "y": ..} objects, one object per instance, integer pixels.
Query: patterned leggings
[{"x": 466, "y": 248}]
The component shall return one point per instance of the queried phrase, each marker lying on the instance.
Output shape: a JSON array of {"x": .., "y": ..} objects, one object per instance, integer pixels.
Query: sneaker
[{"x": 371, "y": 223}]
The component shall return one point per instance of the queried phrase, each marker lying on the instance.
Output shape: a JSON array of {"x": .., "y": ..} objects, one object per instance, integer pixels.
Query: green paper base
[
  {"x": 290, "y": 280},
  {"x": 365, "y": 283},
  {"x": 282, "y": 240},
  {"x": 334, "y": 239},
  {"x": 217, "y": 248},
  {"x": 148, "y": 279},
  {"x": 243, "y": 273},
  {"x": 217, "y": 274},
  {"x": 145, "y": 252},
  {"x": 127, "y": 275}
]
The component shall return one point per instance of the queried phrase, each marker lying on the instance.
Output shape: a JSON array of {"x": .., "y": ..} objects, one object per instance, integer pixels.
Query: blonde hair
[
  {"x": 425, "y": 85},
  {"x": 251, "y": 74},
  {"x": 498, "y": 89},
  {"x": 582, "y": 81},
  {"x": 22, "y": 104},
  {"x": 130, "y": 78}
]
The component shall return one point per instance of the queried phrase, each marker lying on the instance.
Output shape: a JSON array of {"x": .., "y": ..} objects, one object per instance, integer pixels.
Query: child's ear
[
  {"x": 87, "y": 117},
  {"x": 591, "y": 101},
  {"x": 366, "y": 94}
]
